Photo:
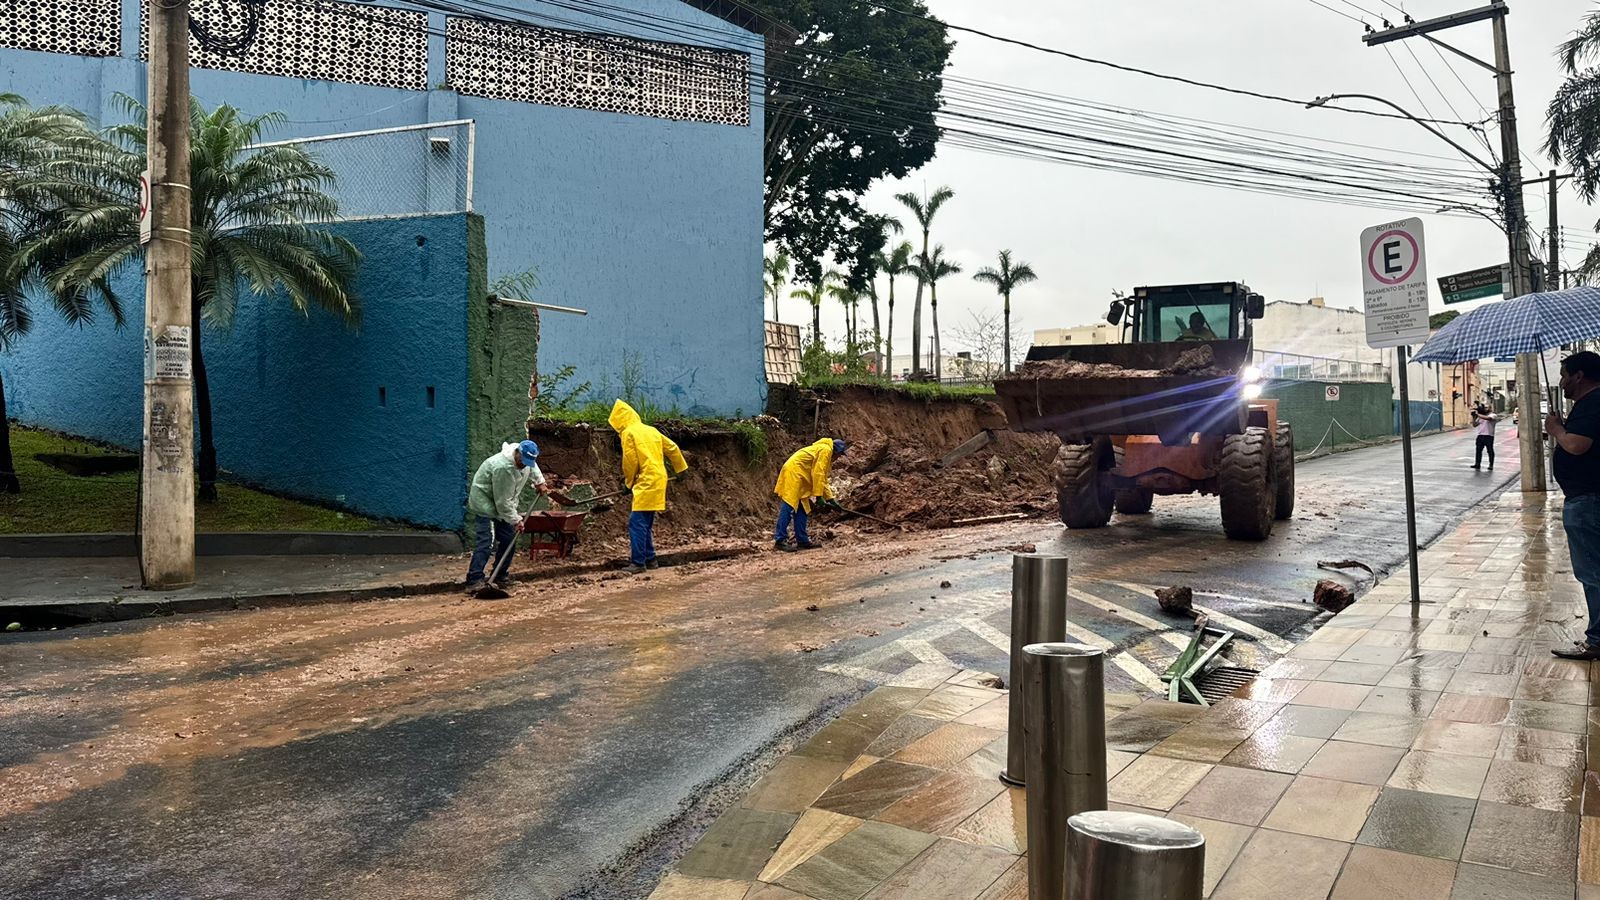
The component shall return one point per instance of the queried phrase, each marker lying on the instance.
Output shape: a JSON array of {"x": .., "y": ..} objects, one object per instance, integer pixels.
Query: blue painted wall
[
  {"x": 296, "y": 397},
  {"x": 653, "y": 226}
]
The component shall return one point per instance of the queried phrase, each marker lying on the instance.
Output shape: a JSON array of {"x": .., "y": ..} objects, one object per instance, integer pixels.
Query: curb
[
  {"x": 82, "y": 612},
  {"x": 242, "y": 543}
]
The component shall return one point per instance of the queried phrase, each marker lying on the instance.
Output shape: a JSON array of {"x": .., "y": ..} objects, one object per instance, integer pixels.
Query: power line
[
  {"x": 1018, "y": 42},
  {"x": 1337, "y": 12},
  {"x": 1122, "y": 155}
]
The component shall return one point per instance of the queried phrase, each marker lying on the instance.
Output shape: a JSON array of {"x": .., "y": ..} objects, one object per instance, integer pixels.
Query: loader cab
[{"x": 1187, "y": 312}]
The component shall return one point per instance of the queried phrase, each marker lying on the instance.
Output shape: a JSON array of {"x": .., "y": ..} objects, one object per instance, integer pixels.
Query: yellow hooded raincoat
[
  {"x": 805, "y": 475},
  {"x": 645, "y": 454}
]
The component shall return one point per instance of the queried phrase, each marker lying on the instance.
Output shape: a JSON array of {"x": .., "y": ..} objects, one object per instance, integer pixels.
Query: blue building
[{"x": 615, "y": 147}]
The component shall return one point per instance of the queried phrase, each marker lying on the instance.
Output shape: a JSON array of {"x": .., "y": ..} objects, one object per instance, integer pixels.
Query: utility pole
[
  {"x": 1530, "y": 434},
  {"x": 1552, "y": 272},
  {"x": 166, "y": 499}
]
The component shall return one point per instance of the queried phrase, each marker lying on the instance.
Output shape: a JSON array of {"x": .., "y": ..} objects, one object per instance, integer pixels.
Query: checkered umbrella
[{"x": 1532, "y": 323}]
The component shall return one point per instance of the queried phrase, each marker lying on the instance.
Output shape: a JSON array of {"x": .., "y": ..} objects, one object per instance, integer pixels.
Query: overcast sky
[{"x": 1089, "y": 232}]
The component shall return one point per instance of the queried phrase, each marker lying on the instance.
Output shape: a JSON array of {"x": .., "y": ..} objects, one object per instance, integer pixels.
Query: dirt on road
[{"x": 891, "y": 471}]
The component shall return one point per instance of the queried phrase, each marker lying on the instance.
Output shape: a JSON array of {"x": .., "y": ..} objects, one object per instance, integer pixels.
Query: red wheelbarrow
[{"x": 552, "y": 531}]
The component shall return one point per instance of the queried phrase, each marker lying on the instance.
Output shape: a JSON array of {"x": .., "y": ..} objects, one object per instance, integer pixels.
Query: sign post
[{"x": 1394, "y": 274}]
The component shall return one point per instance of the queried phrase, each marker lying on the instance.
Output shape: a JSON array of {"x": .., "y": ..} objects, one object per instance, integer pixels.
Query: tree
[
  {"x": 984, "y": 336},
  {"x": 932, "y": 268},
  {"x": 897, "y": 263},
  {"x": 1005, "y": 279},
  {"x": 923, "y": 209},
  {"x": 887, "y": 224},
  {"x": 814, "y": 295},
  {"x": 251, "y": 224},
  {"x": 1574, "y": 119},
  {"x": 43, "y": 155},
  {"x": 887, "y": 68},
  {"x": 777, "y": 275},
  {"x": 1440, "y": 320},
  {"x": 850, "y": 300}
]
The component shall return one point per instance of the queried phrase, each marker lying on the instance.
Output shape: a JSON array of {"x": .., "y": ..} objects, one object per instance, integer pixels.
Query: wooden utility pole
[{"x": 166, "y": 500}]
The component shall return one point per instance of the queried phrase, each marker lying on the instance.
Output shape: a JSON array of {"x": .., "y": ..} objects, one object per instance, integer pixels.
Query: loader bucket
[{"x": 1141, "y": 395}]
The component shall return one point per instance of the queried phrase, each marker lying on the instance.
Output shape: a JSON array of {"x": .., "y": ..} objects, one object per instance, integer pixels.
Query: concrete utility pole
[
  {"x": 1552, "y": 271},
  {"x": 1531, "y": 431},
  {"x": 166, "y": 500}
]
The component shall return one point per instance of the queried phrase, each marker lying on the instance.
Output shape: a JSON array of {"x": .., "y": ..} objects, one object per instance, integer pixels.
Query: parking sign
[{"x": 1394, "y": 274}]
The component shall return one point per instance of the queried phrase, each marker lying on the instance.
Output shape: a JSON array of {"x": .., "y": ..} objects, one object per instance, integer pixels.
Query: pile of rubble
[{"x": 908, "y": 486}]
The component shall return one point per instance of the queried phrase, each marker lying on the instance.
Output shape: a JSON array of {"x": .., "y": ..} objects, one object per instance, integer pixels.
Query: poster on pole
[
  {"x": 145, "y": 225},
  {"x": 1394, "y": 275}
]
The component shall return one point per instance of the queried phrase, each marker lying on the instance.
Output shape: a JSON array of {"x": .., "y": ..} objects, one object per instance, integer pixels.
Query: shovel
[
  {"x": 594, "y": 502},
  {"x": 857, "y": 512},
  {"x": 490, "y": 591}
]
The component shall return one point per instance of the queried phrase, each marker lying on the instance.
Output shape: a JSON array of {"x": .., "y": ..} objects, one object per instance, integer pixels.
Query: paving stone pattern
[{"x": 1436, "y": 752}]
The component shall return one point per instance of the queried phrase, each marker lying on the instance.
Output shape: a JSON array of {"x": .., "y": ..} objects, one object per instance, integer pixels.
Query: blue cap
[
  {"x": 839, "y": 447},
  {"x": 530, "y": 453}
]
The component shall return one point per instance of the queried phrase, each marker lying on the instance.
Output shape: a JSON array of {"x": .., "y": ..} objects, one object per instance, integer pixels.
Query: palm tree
[
  {"x": 253, "y": 215},
  {"x": 1005, "y": 279},
  {"x": 850, "y": 300},
  {"x": 923, "y": 210},
  {"x": 897, "y": 263},
  {"x": 888, "y": 225},
  {"x": 777, "y": 275},
  {"x": 42, "y": 154},
  {"x": 931, "y": 268},
  {"x": 1574, "y": 120}
]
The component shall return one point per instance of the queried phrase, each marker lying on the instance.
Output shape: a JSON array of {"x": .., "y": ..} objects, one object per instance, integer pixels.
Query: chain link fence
[{"x": 405, "y": 171}]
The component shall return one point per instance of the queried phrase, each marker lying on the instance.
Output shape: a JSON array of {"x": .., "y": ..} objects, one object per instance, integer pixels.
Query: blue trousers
[
  {"x": 1581, "y": 518},
  {"x": 495, "y": 538},
  {"x": 786, "y": 514},
  {"x": 641, "y": 537}
]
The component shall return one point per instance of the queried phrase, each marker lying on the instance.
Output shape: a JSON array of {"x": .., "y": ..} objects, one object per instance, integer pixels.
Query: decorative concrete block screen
[
  {"x": 599, "y": 72},
  {"x": 327, "y": 40},
  {"x": 79, "y": 27}
]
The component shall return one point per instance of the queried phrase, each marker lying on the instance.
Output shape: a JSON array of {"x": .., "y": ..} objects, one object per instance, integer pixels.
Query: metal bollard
[
  {"x": 1065, "y": 733},
  {"x": 1038, "y": 616},
  {"x": 1133, "y": 856}
]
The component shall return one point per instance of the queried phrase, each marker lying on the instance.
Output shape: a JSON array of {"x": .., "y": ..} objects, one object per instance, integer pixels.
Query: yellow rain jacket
[
  {"x": 645, "y": 453},
  {"x": 805, "y": 475}
]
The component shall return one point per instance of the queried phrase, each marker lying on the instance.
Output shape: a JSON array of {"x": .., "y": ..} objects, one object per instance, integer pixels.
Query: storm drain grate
[{"x": 1221, "y": 683}]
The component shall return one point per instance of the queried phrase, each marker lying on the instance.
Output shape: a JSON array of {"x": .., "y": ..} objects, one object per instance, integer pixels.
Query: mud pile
[
  {"x": 1200, "y": 360},
  {"x": 1067, "y": 368},
  {"x": 905, "y": 485}
]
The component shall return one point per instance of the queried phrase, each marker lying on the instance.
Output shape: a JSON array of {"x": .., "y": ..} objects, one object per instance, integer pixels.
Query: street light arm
[{"x": 1323, "y": 101}]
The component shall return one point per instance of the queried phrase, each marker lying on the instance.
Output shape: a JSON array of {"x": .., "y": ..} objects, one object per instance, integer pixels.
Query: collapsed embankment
[{"x": 891, "y": 470}]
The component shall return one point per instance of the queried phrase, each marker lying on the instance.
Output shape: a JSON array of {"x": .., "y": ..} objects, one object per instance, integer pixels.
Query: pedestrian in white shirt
[{"x": 1484, "y": 420}]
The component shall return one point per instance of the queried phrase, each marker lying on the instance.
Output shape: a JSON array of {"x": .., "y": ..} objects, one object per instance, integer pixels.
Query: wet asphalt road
[{"x": 569, "y": 741}]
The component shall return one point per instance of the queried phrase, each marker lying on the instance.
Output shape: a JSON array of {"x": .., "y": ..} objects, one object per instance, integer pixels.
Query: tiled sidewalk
[{"x": 1436, "y": 753}]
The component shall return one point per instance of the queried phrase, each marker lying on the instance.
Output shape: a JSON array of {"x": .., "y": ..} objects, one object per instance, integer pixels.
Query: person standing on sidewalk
[
  {"x": 1484, "y": 420},
  {"x": 1576, "y": 465},
  {"x": 802, "y": 482},
  {"x": 493, "y": 500},
  {"x": 645, "y": 454}
]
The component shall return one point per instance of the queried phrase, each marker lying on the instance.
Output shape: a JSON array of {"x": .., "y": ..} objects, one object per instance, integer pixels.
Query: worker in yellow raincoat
[
  {"x": 645, "y": 455},
  {"x": 802, "y": 482}
]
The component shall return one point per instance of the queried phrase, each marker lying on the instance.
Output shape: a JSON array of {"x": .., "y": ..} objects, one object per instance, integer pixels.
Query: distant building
[{"x": 1098, "y": 333}]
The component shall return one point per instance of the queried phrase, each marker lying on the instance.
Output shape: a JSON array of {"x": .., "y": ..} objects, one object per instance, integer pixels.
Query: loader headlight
[
  {"x": 1252, "y": 391},
  {"x": 1250, "y": 375}
]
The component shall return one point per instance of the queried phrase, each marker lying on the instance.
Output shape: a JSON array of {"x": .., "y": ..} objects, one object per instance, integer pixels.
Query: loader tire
[
  {"x": 1085, "y": 497},
  {"x": 1283, "y": 450},
  {"x": 1247, "y": 485},
  {"x": 1135, "y": 501}
]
